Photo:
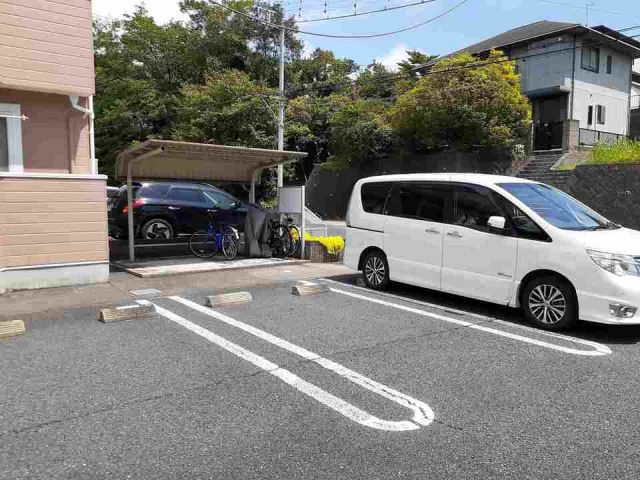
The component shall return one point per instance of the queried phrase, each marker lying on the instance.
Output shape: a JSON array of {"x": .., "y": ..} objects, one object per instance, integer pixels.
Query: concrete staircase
[{"x": 538, "y": 169}]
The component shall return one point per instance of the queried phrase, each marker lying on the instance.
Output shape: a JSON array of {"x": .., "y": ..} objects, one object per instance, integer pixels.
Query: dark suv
[{"x": 163, "y": 211}]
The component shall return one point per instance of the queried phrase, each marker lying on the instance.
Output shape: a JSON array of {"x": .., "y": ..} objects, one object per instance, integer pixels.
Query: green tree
[
  {"x": 376, "y": 81},
  {"x": 322, "y": 74},
  {"x": 409, "y": 67},
  {"x": 455, "y": 105},
  {"x": 230, "y": 109},
  {"x": 360, "y": 133}
]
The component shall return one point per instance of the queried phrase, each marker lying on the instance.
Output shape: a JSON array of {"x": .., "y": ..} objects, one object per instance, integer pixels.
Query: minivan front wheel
[
  {"x": 375, "y": 271},
  {"x": 550, "y": 303}
]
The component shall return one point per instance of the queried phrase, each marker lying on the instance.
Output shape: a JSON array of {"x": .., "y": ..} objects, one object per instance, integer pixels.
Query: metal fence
[{"x": 591, "y": 137}]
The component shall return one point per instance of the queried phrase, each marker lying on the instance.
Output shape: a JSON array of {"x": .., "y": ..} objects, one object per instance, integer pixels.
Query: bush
[{"x": 623, "y": 151}]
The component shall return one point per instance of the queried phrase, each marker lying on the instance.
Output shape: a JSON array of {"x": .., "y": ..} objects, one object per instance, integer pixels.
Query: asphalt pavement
[{"x": 348, "y": 384}]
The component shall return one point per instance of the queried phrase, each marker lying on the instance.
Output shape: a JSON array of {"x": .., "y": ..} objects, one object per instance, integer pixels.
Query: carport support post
[
  {"x": 252, "y": 193},
  {"x": 157, "y": 151},
  {"x": 132, "y": 252},
  {"x": 303, "y": 194}
]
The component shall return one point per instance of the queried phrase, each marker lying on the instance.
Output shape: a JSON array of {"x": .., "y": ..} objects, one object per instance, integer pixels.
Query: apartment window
[
  {"x": 591, "y": 59},
  {"x": 601, "y": 115},
  {"x": 10, "y": 138},
  {"x": 609, "y": 64},
  {"x": 590, "y": 115}
]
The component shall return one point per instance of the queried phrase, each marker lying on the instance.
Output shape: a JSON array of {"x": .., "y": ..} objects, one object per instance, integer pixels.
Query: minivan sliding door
[
  {"x": 476, "y": 262},
  {"x": 413, "y": 232}
]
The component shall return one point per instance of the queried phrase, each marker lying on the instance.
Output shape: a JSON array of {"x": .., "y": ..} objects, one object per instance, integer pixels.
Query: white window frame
[{"x": 12, "y": 113}]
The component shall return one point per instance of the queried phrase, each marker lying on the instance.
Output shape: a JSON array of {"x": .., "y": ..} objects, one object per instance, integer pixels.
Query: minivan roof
[{"x": 475, "y": 178}]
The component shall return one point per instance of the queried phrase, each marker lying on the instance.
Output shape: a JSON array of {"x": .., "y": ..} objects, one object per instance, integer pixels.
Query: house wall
[
  {"x": 552, "y": 70},
  {"x": 551, "y": 67},
  {"x": 611, "y": 90},
  {"x": 46, "y": 46},
  {"x": 55, "y": 137}
]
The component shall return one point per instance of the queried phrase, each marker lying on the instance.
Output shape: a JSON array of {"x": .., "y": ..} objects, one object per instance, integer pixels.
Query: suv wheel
[
  {"x": 550, "y": 303},
  {"x": 375, "y": 271},
  {"x": 156, "y": 229}
]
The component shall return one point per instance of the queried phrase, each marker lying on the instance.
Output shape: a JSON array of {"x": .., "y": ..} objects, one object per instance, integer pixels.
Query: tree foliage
[
  {"x": 213, "y": 78},
  {"x": 466, "y": 107}
]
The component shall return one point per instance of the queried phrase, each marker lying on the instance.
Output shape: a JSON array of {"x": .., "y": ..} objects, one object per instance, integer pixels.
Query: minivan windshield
[{"x": 558, "y": 208}]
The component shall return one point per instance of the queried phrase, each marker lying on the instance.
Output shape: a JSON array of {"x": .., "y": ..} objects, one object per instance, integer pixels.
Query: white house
[{"x": 579, "y": 80}]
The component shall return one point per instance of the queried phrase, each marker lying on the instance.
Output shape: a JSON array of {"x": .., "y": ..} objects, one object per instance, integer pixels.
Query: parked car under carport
[{"x": 167, "y": 210}]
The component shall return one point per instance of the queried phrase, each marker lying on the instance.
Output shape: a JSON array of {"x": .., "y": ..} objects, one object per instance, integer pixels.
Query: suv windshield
[{"x": 558, "y": 208}]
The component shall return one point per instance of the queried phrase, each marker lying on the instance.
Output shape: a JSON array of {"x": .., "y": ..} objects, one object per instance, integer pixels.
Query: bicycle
[
  {"x": 296, "y": 236},
  {"x": 280, "y": 240},
  {"x": 205, "y": 244}
]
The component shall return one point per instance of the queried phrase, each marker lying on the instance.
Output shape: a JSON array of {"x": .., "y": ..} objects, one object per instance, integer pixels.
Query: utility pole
[
  {"x": 282, "y": 105},
  {"x": 281, "y": 94}
]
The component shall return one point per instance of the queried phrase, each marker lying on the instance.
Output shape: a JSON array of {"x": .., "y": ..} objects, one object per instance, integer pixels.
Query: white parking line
[
  {"x": 423, "y": 415},
  {"x": 598, "y": 348}
]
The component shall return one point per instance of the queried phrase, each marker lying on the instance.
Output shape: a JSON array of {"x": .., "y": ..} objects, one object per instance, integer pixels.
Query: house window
[
  {"x": 609, "y": 64},
  {"x": 590, "y": 115},
  {"x": 10, "y": 138},
  {"x": 591, "y": 59},
  {"x": 602, "y": 114}
]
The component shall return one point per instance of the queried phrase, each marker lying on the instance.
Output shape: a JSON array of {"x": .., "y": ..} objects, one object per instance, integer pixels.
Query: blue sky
[{"x": 474, "y": 21}]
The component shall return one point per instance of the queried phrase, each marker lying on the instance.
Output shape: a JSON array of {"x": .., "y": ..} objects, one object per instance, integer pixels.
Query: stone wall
[
  {"x": 328, "y": 191},
  {"x": 612, "y": 190}
]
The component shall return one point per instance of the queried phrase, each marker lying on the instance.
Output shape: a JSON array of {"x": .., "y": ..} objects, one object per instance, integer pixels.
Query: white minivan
[{"x": 500, "y": 239}]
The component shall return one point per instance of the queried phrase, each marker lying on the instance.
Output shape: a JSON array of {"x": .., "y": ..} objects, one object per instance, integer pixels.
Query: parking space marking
[
  {"x": 598, "y": 348},
  {"x": 423, "y": 415}
]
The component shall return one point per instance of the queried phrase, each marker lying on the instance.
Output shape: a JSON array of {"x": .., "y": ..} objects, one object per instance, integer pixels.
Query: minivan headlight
[{"x": 617, "y": 264}]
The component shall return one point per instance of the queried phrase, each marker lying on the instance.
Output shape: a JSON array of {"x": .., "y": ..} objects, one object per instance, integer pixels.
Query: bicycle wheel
[
  {"x": 296, "y": 240},
  {"x": 203, "y": 245},
  {"x": 230, "y": 243},
  {"x": 282, "y": 241}
]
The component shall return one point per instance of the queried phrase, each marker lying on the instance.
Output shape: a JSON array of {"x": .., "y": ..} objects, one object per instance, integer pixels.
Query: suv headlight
[{"x": 617, "y": 264}]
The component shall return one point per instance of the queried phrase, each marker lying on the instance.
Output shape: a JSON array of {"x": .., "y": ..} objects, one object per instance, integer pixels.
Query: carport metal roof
[{"x": 170, "y": 160}]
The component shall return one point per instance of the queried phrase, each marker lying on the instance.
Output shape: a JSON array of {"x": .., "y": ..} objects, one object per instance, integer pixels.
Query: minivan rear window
[
  {"x": 374, "y": 196},
  {"x": 420, "y": 201}
]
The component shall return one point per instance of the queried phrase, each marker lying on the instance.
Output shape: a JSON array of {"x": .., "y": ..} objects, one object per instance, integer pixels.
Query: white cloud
[
  {"x": 161, "y": 10},
  {"x": 394, "y": 56}
]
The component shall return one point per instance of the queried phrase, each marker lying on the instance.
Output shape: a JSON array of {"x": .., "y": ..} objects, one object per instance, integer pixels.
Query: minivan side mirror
[{"x": 496, "y": 224}]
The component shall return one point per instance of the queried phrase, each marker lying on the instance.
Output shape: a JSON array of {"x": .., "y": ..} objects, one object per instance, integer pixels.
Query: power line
[
  {"x": 326, "y": 35},
  {"x": 369, "y": 12}
]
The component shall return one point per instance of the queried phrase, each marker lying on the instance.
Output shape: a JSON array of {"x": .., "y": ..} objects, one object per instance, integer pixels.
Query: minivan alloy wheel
[
  {"x": 374, "y": 270},
  {"x": 547, "y": 304}
]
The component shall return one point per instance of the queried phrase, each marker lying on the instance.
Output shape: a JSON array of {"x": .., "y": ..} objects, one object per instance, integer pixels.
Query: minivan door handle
[
  {"x": 454, "y": 234},
  {"x": 174, "y": 208},
  {"x": 431, "y": 230}
]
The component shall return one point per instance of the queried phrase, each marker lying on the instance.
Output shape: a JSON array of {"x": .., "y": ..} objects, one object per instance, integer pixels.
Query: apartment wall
[
  {"x": 52, "y": 221},
  {"x": 55, "y": 137},
  {"x": 46, "y": 46}
]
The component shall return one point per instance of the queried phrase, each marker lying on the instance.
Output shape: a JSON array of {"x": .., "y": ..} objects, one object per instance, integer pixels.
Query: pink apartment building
[{"x": 53, "y": 225}]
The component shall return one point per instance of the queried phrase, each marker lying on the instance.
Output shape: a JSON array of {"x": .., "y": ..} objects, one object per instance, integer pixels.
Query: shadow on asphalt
[{"x": 613, "y": 334}]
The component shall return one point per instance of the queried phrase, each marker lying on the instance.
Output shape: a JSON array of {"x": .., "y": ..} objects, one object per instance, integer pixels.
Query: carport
[{"x": 170, "y": 160}]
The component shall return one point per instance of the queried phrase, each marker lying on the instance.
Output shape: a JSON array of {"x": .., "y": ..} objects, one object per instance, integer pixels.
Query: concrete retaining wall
[{"x": 612, "y": 190}]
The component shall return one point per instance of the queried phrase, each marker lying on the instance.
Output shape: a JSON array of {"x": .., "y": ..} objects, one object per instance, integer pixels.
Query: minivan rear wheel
[
  {"x": 375, "y": 271},
  {"x": 550, "y": 303}
]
